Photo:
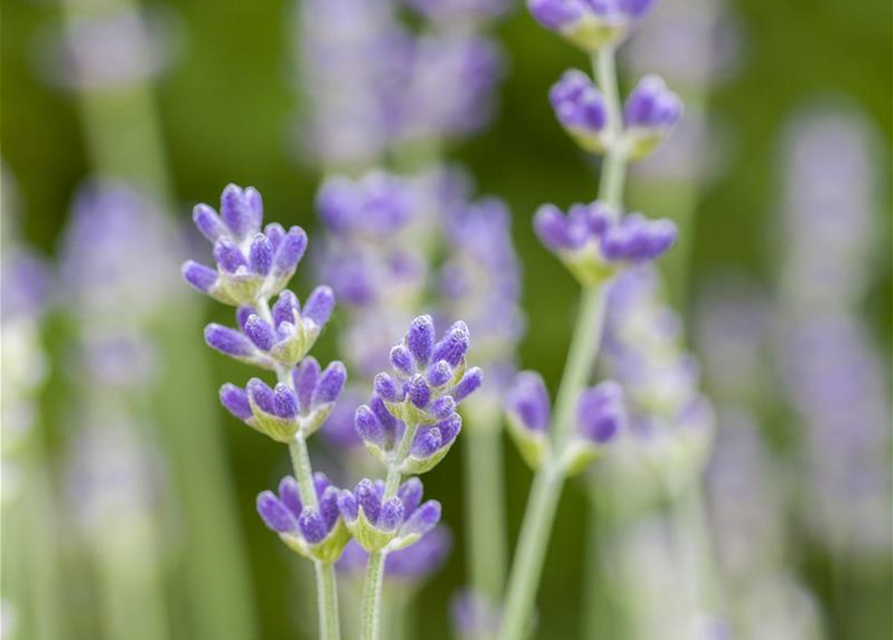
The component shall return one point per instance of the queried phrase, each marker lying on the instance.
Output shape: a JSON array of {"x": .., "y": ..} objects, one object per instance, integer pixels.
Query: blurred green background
[{"x": 227, "y": 109}]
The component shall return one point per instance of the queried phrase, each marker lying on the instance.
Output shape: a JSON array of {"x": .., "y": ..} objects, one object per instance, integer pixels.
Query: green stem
[
  {"x": 372, "y": 589},
  {"x": 549, "y": 480},
  {"x": 485, "y": 520},
  {"x": 614, "y": 167},
  {"x": 326, "y": 582}
]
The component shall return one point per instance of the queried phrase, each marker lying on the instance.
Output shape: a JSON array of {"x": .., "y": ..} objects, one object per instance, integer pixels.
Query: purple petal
[
  {"x": 401, "y": 360},
  {"x": 312, "y": 525},
  {"x": 419, "y": 392},
  {"x": 331, "y": 382},
  {"x": 235, "y": 400},
  {"x": 420, "y": 339},
  {"x": 391, "y": 515},
  {"x": 261, "y": 395},
  {"x": 368, "y": 500},
  {"x": 439, "y": 374},
  {"x": 228, "y": 341},
  {"x": 318, "y": 307},
  {"x": 291, "y": 250},
  {"x": 260, "y": 332},
  {"x": 305, "y": 378},
  {"x": 290, "y": 495},
  {"x": 199, "y": 276},
  {"x": 470, "y": 382},
  {"x": 285, "y": 309},
  {"x": 423, "y": 519},
  {"x": 260, "y": 255},
  {"x": 410, "y": 494},
  {"x": 228, "y": 255},
  {"x": 600, "y": 412},
  {"x": 528, "y": 400},
  {"x": 368, "y": 426},
  {"x": 285, "y": 402},
  {"x": 208, "y": 222},
  {"x": 275, "y": 514},
  {"x": 454, "y": 345},
  {"x": 385, "y": 387}
]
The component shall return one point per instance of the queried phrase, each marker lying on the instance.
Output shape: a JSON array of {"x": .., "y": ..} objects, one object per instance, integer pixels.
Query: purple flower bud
[
  {"x": 600, "y": 412},
  {"x": 305, "y": 378},
  {"x": 368, "y": 426},
  {"x": 388, "y": 421},
  {"x": 260, "y": 332},
  {"x": 199, "y": 276},
  {"x": 454, "y": 345},
  {"x": 260, "y": 255},
  {"x": 439, "y": 374},
  {"x": 423, "y": 519},
  {"x": 528, "y": 402},
  {"x": 419, "y": 392},
  {"x": 420, "y": 339},
  {"x": 328, "y": 506},
  {"x": 552, "y": 229},
  {"x": 331, "y": 382},
  {"x": 275, "y": 514},
  {"x": 450, "y": 428},
  {"x": 427, "y": 441},
  {"x": 209, "y": 223},
  {"x": 347, "y": 505},
  {"x": 636, "y": 239},
  {"x": 368, "y": 499},
  {"x": 386, "y": 388},
  {"x": 442, "y": 407},
  {"x": 286, "y": 308},
  {"x": 242, "y": 314},
  {"x": 401, "y": 360},
  {"x": 285, "y": 402},
  {"x": 321, "y": 482},
  {"x": 242, "y": 210},
  {"x": 555, "y": 14},
  {"x": 578, "y": 104},
  {"x": 410, "y": 494},
  {"x": 651, "y": 105},
  {"x": 261, "y": 395},
  {"x": 312, "y": 526},
  {"x": 235, "y": 400},
  {"x": 470, "y": 382},
  {"x": 275, "y": 233},
  {"x": 228, "y": 255},
  {"x": 391, "y": 515},
  {"x": 318, "y": 307},
  {"x": 291, "y": 250},
  {"x": 228, "y": 341},
  {"x": 290, "y": 495}
]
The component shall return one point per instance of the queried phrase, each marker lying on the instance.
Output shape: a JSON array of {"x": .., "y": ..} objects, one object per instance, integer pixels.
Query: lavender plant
[
  {"x": 595, "y": 242},
  {"x": 252, "y": 268},
  {"x": 409, "y": 425}
]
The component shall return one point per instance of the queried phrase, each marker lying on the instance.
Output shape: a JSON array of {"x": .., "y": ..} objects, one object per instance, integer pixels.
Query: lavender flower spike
[
  {"x": 430, "y": 379},
  {"x": 590, "y": 24},
  {"x": 250, "y": 264},
  {"x": 316, "y": 532},
  {"x": 595, "y": 245},
  {"x": 581, "y": 110}
]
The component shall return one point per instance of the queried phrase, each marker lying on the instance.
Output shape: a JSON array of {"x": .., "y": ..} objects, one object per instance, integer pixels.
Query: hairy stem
[
  {"x": 614, "y": 167},
  {"x": 485, "y": 518},
  {"x": 372, "y": 589}
]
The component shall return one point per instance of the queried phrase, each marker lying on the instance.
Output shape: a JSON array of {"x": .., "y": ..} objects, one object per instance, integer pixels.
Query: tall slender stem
[
  {"x": 372, "y": 589},
  {"x": 484, "y": 489},
  {"x": 326, "y": 582},
  {"x": 582, "y": 355}
]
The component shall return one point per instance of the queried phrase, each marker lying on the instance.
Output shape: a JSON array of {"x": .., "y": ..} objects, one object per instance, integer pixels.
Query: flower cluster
[
  {"x": 590, "y": 24},
  {"x": 430, "y": 379},
  {"x": 315, "y": 531},
  {"x": 250, "y": 265},
  {"x": 595, "y": 244},
  {"x": 299, "y": 406},
  {"x": 650, "y": 113},
  {"x": 381, "y": 523},
  {"x": 600, "y": 416}
]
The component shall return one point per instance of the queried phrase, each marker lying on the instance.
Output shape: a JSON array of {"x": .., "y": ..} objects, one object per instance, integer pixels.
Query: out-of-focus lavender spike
[
  {"x": 590, "y": 25},
  {"x": 600, "y": 412}
]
